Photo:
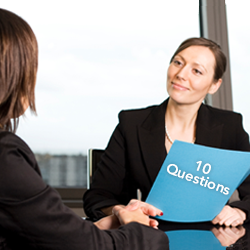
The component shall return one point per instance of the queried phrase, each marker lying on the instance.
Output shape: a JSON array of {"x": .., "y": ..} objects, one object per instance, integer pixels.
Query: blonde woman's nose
[{"x": 182, "y": 74}]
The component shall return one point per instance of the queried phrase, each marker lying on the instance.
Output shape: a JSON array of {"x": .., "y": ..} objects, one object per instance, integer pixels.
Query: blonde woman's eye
[
  {"x": 197, "y": 71},
  {"x": 176, "y": 62}
]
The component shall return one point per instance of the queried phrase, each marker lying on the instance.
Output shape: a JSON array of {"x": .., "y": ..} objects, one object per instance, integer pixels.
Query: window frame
[{"x": 213, "y": 25}]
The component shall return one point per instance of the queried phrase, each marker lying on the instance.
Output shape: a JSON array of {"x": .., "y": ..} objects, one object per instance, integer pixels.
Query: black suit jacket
[
  {"x": 136, "y": 151},
  {"x": 32, "y": 215}
]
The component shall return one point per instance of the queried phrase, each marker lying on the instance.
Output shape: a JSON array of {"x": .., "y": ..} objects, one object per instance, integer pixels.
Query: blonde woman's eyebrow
[
  {"x": 200, "y": 65},
  {"x": 180, "y": 56},
  {"x": 195, "y": 63}
]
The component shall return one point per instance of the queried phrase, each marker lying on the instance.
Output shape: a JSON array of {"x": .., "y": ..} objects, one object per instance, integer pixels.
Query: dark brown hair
[
  {"x": 220, "y": 58},
  {"x": 18, "y": 68}
]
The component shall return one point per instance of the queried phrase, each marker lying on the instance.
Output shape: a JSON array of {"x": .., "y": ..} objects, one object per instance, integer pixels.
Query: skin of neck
[{"x": 181, "y": 116}]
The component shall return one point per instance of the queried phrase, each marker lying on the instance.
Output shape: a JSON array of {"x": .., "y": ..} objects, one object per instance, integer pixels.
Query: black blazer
[
  {"x": 136, "y": 151},
  {"x": 32, "y": 215}
]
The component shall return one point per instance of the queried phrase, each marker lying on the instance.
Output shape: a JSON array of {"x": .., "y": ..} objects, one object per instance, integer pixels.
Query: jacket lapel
[
  {"x": 152, "y": 140},
  {"x": 152, "y": 136}
]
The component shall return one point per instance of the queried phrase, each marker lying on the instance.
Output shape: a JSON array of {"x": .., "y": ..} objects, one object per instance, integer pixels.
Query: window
[
  {"x": 239, "y": 39},
  {"x": 95, "y": 59}
]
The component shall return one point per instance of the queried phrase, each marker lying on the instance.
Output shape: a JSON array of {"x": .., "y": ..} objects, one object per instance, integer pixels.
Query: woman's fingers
[
  {"x": 153, "y": 223},
  {"x": 230, "y": 217},
  {"x": 136, "y": 211},
  {"x": 147, "y": 208}
]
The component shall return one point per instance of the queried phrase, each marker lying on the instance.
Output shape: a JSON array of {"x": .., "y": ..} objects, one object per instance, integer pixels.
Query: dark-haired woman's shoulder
[
  {"x": 10, "y": 141},
  {"x": 20, "y": 176}
]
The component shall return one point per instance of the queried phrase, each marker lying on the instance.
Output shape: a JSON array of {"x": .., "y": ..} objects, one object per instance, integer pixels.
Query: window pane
[
  {"x": 239, "y": 40},
  {"x": 63, "y": 170},
  {"x": 96, "y": 58}
]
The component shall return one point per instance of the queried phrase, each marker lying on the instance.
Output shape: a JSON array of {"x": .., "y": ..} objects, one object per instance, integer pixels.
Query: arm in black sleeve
[
  {"x": 33, "y": 216},
  {"x": 107, "y": 188},
  {"x": 244, "y": 188}
]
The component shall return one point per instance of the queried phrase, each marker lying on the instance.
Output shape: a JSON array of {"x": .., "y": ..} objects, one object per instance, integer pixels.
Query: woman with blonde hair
[{"x": 143, "y": 137}]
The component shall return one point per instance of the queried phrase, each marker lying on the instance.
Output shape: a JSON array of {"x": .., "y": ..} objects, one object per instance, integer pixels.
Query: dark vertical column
[{"x": 213, "y": 25}]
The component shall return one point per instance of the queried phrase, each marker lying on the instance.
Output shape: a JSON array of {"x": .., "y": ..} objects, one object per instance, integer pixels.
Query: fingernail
[{"x": 161, "y": 213}]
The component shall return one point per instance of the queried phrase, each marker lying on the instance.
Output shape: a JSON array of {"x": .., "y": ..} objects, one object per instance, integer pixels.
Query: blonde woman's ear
[{"x": 214, "y": 87}]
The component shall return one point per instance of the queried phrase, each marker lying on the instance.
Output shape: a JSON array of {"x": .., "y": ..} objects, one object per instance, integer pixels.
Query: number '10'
[{"x": 206, "y": 168}]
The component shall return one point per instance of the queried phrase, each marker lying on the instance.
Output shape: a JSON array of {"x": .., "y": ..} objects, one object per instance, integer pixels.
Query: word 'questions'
[{"x": 173, "y": 169}]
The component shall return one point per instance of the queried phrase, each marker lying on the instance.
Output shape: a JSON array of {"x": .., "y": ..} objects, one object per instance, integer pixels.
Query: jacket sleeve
[
  {"x": 32, "y": 214},
  {"x": 108, "y": 186},
  {"x": 244, "y": 189}
]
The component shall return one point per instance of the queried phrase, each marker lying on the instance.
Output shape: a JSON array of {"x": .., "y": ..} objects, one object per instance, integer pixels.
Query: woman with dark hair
[
  {"x": 32, "y": 215},
  {"x": 143, "y": 137}
]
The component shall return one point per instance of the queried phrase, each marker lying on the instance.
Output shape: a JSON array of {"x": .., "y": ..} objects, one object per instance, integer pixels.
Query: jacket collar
[{"x": 152, "y": 135}]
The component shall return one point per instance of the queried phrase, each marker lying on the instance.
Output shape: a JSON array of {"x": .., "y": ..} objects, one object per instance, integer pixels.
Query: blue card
[{"x": 195, "y": 182}]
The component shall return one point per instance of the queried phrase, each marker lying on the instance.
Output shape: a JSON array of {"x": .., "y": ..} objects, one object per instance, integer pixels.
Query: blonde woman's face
[{"x": 190, "y": 75}]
